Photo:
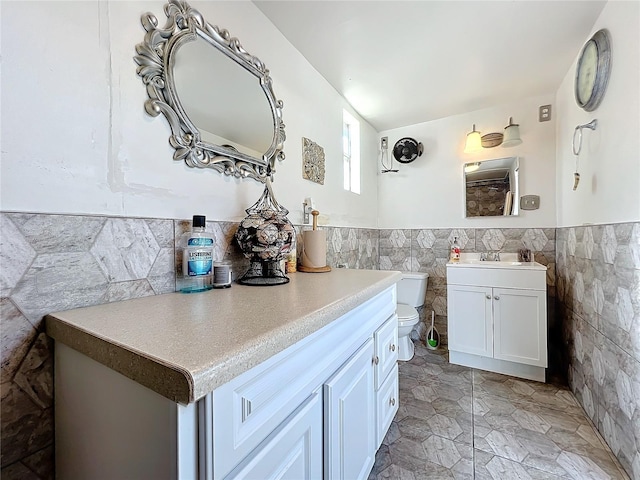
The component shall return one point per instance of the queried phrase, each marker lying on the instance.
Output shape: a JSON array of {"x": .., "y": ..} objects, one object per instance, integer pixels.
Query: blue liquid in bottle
[{"x": 197, "y": 257}]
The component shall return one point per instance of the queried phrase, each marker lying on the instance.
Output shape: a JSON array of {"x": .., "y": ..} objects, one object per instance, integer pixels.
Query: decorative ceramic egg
[{"x": 265, "y": 236}]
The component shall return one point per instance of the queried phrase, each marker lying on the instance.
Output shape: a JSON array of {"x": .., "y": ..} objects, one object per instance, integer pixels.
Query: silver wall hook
[{"x": 592, "y": 125}]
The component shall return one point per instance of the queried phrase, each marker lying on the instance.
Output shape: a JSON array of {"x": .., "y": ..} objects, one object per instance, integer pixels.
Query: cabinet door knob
[
  {"x": 488, "y": 297},
  {"x": 392, "y": 401},
  {"x": 392, "y": 347},
  {"x": 496, "y": 297},
  {"x": 376, "y": 360}
]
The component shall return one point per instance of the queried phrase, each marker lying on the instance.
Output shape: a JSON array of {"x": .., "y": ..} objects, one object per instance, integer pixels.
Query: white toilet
[{"x": 412, "y": 290}]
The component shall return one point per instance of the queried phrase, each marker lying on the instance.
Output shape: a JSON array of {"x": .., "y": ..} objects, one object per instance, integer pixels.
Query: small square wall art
[{"x": 312, "y": 161}]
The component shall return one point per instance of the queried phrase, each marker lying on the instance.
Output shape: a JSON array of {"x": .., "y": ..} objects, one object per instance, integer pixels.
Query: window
[{"x": 351, "y": 152}]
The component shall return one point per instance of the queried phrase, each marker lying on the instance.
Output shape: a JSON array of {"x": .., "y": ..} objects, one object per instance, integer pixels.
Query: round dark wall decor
[{"x": 407, "y": 149}]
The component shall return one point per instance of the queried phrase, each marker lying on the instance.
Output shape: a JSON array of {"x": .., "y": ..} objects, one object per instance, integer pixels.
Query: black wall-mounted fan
[{"x": 407, "y": 149}]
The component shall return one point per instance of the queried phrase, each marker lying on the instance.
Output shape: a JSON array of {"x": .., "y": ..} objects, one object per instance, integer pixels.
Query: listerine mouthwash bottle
[{"x": 197, "y": 257}]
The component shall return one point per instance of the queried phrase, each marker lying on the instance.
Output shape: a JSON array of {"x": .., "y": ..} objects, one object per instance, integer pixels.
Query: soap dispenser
[{"x": 454, "y": 257}]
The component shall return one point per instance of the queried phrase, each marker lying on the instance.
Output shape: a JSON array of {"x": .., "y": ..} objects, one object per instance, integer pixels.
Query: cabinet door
[
  {"x": 386, "y": 345},
  {"x": 520, "y": 327},
  {"x": 350, "y": 418},
  {"x": 293, "y": 451},
  {"x": 470, "y": 320}
]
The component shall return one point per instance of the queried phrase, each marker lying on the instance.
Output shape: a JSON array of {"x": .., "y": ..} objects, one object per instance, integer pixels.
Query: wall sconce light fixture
[
  {"x": 474, "y": 141},
  {"x": 511, "y": 134}
]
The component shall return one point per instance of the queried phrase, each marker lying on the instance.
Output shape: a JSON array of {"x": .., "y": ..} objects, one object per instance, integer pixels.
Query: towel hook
[
  {"x": 592, "y": 125},
  {"x": 576, "y": 150}
]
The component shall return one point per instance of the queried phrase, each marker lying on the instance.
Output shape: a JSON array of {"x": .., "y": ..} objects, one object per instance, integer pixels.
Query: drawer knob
[
  {"x": 488, "y": 297},
  {"x": 392, "y": 401},
  {"x": 376, "y": 360},
  {"x": 496, "y": 297},
  {"x": 392, "y": 347}
]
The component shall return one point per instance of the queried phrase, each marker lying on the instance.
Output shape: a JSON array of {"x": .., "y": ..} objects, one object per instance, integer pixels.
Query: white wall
[
  {"x": 428, "y": 193},
  {"x": 76, "y": 139},
  {"x": 609, "y": 166}
]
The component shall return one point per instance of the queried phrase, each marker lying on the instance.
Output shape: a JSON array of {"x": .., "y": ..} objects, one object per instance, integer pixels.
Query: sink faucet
[
  {"x": 483, "y": 256},
  {"x": 496, "y": 257}
]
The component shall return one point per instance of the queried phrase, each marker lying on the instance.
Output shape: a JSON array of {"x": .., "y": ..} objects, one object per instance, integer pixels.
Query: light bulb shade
[
  {"x": 511, "y": 135},
  {"x": 474, "y": 141}
]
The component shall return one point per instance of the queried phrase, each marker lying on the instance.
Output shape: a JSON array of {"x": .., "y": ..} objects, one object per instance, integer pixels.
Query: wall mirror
[
  {"x": 217, "y": 98},
  {"x": 491, "y": 187}
]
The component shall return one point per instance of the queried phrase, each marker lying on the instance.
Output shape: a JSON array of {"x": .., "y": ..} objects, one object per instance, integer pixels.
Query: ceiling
[{"x": 404, "y": 62}]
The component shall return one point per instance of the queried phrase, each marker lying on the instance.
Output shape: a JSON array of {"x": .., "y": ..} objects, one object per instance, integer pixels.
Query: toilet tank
[{"x": 412, "y": 289}]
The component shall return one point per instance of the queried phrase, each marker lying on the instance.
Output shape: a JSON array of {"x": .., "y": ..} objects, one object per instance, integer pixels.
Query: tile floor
[{"x": 461, "y": 423}]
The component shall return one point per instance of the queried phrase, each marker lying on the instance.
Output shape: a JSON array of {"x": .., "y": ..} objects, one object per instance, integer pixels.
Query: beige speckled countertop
[{"x": 183, "y": 346}]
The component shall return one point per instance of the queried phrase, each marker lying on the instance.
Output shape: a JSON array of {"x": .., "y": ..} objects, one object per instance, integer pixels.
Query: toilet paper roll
[{"x": 314, "y": 254}]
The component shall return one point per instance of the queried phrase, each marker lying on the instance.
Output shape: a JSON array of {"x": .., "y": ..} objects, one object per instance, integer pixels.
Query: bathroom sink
[
  {"x": 507, "y": 261},
  {"x": 500, "y": 264}
]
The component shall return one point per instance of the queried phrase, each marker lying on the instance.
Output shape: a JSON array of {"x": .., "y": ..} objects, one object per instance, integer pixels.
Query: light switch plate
[{"x": 530, "y": 202}]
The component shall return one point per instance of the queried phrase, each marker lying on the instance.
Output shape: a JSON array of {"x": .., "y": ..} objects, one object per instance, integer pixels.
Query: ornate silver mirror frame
[{"x": 156, "y": 58}]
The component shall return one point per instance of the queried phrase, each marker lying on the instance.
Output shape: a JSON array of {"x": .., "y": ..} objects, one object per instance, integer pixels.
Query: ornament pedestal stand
[{"x": 261, "y": 274}]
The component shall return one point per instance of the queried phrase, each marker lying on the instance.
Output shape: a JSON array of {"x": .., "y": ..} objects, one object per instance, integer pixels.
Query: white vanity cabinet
[
  {"x": 343, "y": 361},
  {"x": 497, "y": 317},
  {"x": 356, "y": 421},
  {"x": 317, "y": 409}
]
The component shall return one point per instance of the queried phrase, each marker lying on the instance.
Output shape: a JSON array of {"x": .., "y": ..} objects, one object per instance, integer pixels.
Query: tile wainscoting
[
  {"x": 58, "y": 262},
  {"x": 598, "y": 289}
]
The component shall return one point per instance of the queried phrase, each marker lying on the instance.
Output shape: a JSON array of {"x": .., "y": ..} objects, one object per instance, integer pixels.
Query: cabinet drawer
[
  {"x": 386, "y": 347},
  {"x": 497, "y": 277},
  {"x": 386, "y": 405}
]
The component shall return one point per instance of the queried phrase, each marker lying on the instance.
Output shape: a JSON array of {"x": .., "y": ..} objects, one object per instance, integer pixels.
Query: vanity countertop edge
[{"x": 183, "y": 346}]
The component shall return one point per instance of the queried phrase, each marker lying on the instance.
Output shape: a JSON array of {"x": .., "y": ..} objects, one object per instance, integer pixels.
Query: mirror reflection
[
  {"x": 225, "y": 103},
  {"x": 491, "y": 187}
]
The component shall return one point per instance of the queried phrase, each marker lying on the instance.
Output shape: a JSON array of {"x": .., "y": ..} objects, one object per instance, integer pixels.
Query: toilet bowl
[
  {"x": 407, "y": 319},
  {"x": 411, "y": 292}
]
